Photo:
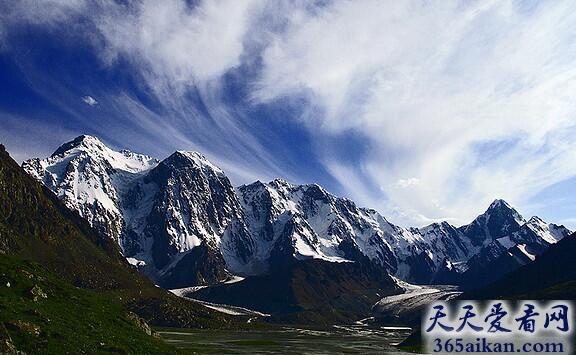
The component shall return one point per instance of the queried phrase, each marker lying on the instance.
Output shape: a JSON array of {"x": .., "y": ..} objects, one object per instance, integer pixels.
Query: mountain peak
[
  {"x": 190, "y": 154},
  {"x": 500, "y": 219},
  {"x": 536, "y": 220},
  {"x": 280, "y": 183},
  {"x": 500, "y": 208},
  {"x": 86, "y": 141},
  {"x": 498, "y": 204},
  {"x": 93, "y": 149},
  {"x": 194, "y": 158}
]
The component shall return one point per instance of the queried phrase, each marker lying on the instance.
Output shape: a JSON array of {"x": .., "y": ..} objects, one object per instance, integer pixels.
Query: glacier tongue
[{"x": 181, "y": 221}]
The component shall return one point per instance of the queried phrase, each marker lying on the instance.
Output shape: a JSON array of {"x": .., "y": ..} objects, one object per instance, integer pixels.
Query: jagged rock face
[
  {"x": 182, "y": 222},
  {"x": 305, "y": 222},
  {"x": 193, "y": 224},
  {"x": 158, "y": 212},
  {"x": 500, "y": 220},
  {"x": 536, "y": 231},
  {"x": 504, "y": 242},
  {"x": 194, "y": 204},
  {"x": 89, "y": 177}
]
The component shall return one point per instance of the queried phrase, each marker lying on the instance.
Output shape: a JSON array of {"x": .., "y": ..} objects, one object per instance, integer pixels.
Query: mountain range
[{"x": 183, "y": 223}]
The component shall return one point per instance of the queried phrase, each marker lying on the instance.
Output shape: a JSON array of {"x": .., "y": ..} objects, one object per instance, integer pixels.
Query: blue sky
[{"x": 423, "y": 110}]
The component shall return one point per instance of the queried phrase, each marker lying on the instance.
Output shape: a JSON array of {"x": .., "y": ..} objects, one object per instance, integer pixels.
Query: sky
[{"x": 423, "y": 110}]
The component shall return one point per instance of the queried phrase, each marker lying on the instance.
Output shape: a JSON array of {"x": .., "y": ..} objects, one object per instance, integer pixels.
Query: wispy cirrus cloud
[
  {"x": 423, "y": 110},
  {"x": 175, "y": 43},
  {"x": 470, "y": 99},
  {"x": 177, "y": 51}
]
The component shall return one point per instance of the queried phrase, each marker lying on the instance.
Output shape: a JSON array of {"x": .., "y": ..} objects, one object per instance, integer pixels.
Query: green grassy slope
[{"x": 42, "y": 314}]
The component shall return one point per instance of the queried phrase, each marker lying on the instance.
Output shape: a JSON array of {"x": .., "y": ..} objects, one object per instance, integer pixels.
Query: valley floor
[{"x": 352, "y": 339}]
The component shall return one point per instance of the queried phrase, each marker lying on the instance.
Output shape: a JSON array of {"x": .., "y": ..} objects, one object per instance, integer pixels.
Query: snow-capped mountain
[
  {"x": 305, "y": 221},
  {"x": 91, "y": 179},
  {"x": 499, "y": 221},
  {"x": 502, "y": 241},
  {"x": 501, "y": 227},
  {"x": 185, "y": 208},
  {"x": 182, "y": 222},
  {"x": 308, "y": 222},
  {"x": 164, "y": 215}
]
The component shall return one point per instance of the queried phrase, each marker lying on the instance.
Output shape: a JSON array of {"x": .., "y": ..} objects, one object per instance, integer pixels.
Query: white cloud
[
  {"x": 172, "y": 43},
  {"x": 89, "y": 100},
  {"x": 45, "y": 12},
  {"x": 173, "y": 47},
  {"x": 404, "y": 183},
  {"x": 235, "y": 150},
  {"x": 475, "y": 98},
  {"x": 177, "y": 45}
]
